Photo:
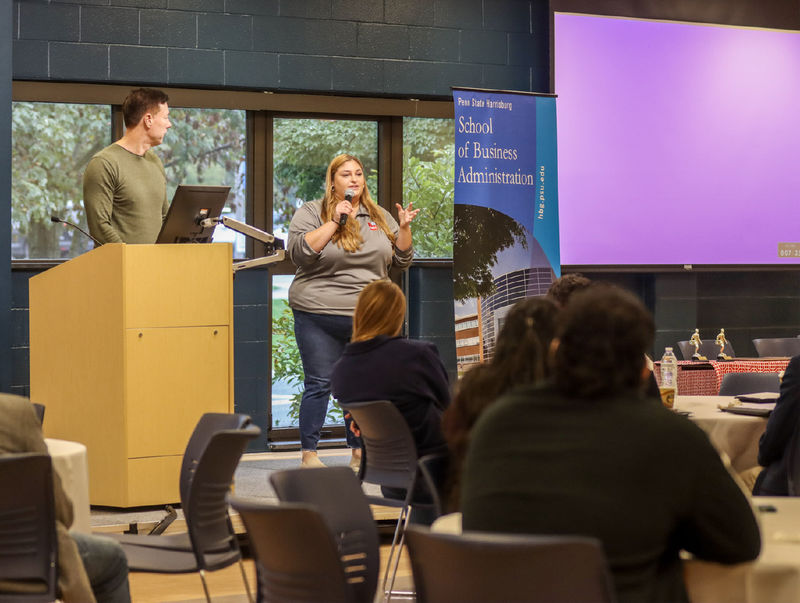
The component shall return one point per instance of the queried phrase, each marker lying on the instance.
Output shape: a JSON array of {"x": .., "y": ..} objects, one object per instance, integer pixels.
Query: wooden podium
[{"x": 130, "y": 345}]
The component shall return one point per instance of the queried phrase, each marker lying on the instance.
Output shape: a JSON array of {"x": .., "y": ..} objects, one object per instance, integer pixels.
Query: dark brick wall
[
  {"x": 747, "y": 304},
  {"x": 431, "y": 311},
  {"x": 416, "y": 48}
]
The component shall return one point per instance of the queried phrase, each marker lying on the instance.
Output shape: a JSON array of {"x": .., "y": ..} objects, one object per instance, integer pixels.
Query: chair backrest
[
  {"x": 336, "y": 494},
  {"x": 434, "y": 469},
  {"x": 708, "y": 348},
  {"x": 28, "y": 544},
  {"x": 777, "y": 346},
  {"x": 391, "y": 454},
  {"x": 734, "y": 384},
  {"x": 490, "y": 567},
  {"x": 209, "y": 424},
  {"x": 295, "y": 552},
  {"x": 206, "y": 508},
  {"x": 39, "y": 410}
]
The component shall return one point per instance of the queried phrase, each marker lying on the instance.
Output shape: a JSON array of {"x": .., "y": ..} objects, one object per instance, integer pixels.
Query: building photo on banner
[{"x": 505, "y": 232}]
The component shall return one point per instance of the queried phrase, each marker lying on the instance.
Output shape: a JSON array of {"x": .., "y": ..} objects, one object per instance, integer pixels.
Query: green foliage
[
  {"x": 428, "y": 169},
  {"x": 51, "y": 145},
  {"x": 480, "y": 234},
  {"x": 429, "y": 186},
  {"x": 53, "y": 142},
  {"x": 206, "y": 146},
  {"x": 287, "y": 366},
  {"x": 302, "y": 150}
]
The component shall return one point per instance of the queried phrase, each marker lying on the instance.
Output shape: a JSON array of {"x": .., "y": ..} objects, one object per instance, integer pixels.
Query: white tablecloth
[
  {"x": 735, "y": 435},
  {"x": 70, "y": 461},
  {"x": 773, "y": 578}
]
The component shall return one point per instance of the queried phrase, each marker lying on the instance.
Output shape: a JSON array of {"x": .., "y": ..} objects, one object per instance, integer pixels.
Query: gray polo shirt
[{"x": 329, "y": 282}]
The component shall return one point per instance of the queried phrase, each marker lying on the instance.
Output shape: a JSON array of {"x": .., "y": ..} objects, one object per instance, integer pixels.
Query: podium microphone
[
  {"x": 58, "y": 220},
  {"x": 348, "y": 196}
]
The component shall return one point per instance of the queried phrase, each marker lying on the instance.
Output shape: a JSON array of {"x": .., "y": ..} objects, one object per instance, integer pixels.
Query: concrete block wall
[{"x": 409, "y": 48}]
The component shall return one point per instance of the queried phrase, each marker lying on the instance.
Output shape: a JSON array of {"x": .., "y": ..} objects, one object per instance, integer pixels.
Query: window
[
  {"x": 51, "y": 145},
  {"x": 207, "y": 146},
  {"x": 273, "y": 157},
  {"x": 302, "y": 150},
  {"x": 428, "y": 168}
]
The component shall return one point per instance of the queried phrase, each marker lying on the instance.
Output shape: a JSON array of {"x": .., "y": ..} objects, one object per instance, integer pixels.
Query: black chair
[
  {"x": 390, "y": 461},
  {"x": 335, "y": 493},
  {"x": 708, "y": 348},
  {"x": 209, "y": 424},
  {"x": 434, "y": 469},
  {"x": 295, "y": 553},
  {"x": 496, "y": 568},
  {"x": 213, "y": 540},
  {"x": 28, "y": 542},
  {"x": 39, "y": 410},
  {"x": 734, "y": 384},
  {"x": 777, "y": 346}
]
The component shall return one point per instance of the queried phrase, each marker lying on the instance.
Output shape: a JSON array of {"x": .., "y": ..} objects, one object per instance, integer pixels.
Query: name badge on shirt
[{"x": 372, "y": 226}]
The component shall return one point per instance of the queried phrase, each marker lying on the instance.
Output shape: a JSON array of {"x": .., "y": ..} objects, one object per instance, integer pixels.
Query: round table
[
  {"x": 70, "y": 462},
  {"x": 735, "y": 435}
]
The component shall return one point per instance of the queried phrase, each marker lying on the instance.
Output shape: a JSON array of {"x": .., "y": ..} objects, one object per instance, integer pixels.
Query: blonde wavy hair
[
  {"x": 380, "y": 310},
  {"x": 348, "y": 237}
]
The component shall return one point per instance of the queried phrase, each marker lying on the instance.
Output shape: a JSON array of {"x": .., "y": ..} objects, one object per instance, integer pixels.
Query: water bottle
[
  {"x": 669, "y": 378},
  {"x": 669, "y": 369}
]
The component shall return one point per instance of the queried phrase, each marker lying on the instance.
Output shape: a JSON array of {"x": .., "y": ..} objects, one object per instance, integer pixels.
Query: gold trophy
[
  {"x": 721, "y": 341},
  {"x": 696, "y": 342}
]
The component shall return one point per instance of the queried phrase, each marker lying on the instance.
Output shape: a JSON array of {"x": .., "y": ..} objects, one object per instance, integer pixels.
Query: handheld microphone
[
  {"x": 58, "y": 220},
  {"x": 348, "y": 196}
]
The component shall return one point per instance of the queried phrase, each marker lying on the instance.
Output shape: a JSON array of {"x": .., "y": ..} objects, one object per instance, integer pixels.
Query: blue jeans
[
  {"x": 320, "y": 339},
  {"x": 106, "y": 566}
]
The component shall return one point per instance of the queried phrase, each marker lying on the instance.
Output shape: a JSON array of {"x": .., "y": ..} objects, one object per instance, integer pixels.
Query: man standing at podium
[{"x": 124, "y": 185}]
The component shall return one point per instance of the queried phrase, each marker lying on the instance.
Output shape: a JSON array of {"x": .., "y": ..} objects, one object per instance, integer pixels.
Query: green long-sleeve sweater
[{"x": 125, "y": 196}]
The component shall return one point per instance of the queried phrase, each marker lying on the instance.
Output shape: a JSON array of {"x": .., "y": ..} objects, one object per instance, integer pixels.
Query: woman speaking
[{"x": 339, "y": 244}]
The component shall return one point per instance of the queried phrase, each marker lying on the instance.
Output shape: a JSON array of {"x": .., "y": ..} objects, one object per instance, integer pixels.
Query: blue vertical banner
[{"x": 506, "y": 240}]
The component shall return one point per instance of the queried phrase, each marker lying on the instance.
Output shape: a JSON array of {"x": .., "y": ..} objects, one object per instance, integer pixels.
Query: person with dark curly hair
[
  {"x": 520, "y": 358},
  {"x": 563, "y": 288},
  {"x": 590, "y": 455}
]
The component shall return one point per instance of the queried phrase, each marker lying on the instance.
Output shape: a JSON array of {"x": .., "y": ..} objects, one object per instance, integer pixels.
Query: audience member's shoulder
[
  {"x": 415, "y": 345},
  {"x": 16, "y": 407},
  {"x": 520, "y": 400}
]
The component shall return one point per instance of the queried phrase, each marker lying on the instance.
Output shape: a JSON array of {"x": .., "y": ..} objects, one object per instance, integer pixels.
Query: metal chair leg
[
  {"x": 246, "y": 584},
  {"x": 400, "y": 522},
  {"x": 388, "y": 594},
  {"x": 205, "y": 586}
]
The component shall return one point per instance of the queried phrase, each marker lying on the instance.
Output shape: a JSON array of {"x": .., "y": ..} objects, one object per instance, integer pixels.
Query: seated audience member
[
  {"x": 588, "y": 455},
  {"x": 774, "y": 443},
  {"x": 379, "y": 364},
  {"x": 520, "y": 358},
  {"x": 563, "y": 288},
  {"x": 90, "y": 568}
]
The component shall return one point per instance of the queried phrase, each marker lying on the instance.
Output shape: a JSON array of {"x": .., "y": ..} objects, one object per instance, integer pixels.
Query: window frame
[{"x": 262, "y": 107}]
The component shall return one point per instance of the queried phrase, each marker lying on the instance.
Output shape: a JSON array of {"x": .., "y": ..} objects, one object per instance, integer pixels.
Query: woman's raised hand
[{"x": 407, "y": 215}]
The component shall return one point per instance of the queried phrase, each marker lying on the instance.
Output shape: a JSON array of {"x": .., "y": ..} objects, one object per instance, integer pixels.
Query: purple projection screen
[{"x": 677, "y": 143}]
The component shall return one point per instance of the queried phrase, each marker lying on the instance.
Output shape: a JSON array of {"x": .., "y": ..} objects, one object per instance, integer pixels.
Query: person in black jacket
[
  {"x": 774, "y": 444},
  {"x": 591, "y": 455},
  {"x": 379, "y": 364}
]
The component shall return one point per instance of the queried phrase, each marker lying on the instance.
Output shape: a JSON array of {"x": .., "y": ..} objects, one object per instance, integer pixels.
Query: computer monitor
[{"x": 190, "y": 205}]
